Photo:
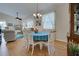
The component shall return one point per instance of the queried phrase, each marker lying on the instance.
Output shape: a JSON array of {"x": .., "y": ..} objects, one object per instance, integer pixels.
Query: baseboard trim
[{"x": 61, "y": 40}]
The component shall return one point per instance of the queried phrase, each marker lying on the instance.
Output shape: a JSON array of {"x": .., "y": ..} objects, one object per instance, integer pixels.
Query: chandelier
[{"x": 37, "y": 15}]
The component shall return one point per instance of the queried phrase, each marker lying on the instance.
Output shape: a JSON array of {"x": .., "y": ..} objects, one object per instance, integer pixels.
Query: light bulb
[
  {"x": 38, "y": 14},
  {"x": 34, "y": 14}
]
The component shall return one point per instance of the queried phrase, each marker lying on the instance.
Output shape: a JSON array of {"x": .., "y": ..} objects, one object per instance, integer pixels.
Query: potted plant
[{"x": 74, "y": 49}]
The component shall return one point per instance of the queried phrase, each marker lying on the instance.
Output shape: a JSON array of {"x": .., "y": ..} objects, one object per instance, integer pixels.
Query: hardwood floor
[{"x": 17, "y": 48}]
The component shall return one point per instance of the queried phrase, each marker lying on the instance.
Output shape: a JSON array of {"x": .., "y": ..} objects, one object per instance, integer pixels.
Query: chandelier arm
[{"x": 37, "y": 7}]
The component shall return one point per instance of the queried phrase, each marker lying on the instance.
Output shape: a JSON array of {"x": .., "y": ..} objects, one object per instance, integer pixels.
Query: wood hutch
[{"x": 74, "y": 26}]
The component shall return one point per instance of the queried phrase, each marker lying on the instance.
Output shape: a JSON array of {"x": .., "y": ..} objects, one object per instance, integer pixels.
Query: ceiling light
[{"x": 18, "y": 17}]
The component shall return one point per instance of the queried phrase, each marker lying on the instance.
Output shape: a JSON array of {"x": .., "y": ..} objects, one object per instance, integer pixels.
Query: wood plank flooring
[{"x": 18, "y": 48}]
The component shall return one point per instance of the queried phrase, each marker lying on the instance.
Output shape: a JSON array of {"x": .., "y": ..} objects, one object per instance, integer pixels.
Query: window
[
  {"x": 49, "y": 21},
  {"x": 29, "y": 24},
  {"x": 3, "y": 24}
]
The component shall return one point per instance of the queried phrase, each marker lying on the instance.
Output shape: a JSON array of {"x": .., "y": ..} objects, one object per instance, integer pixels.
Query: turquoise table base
[{"x": 40, "y": 36}]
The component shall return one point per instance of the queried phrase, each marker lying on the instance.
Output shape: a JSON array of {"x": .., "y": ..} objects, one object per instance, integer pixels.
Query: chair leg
[
  {"x": 54, "y": 51},
  {"x": 40, "y": 46},
  {"x": 25, "y": 44},
  {"x": 28, "y": 47},
  {"x": 49, "y": 51},
  {"x": 32, "y": 49}
]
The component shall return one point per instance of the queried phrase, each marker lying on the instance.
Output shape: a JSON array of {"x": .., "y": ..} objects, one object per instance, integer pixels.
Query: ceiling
[{"x": 25, "y": 9}]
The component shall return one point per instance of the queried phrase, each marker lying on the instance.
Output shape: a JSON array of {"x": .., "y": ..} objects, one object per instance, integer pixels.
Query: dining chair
[
  {"x": 51, "y": 48},
  {"x": 50, "y": 45},
  {"x": 29, "y": 40},
  {"x": 25, "y": 34}
]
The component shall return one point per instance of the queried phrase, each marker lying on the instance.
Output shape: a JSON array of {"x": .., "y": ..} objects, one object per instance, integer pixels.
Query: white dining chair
[
  {"x": 51, "y": 48},
  {"x": 50, "y": 45},
  {"x": 29, "y": 40},
  {"x": 25, "y": 34}
]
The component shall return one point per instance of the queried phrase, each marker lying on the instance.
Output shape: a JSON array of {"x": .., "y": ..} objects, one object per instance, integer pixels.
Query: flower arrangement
[{"x": 35, "y": 30}]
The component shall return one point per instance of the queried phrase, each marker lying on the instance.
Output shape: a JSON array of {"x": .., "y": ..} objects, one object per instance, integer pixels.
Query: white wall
[{"x": 62, "y": 22}]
